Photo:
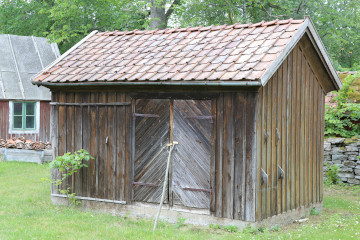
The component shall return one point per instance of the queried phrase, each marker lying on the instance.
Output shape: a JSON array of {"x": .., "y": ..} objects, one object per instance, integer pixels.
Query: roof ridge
[{"x": 204, "y": 28}]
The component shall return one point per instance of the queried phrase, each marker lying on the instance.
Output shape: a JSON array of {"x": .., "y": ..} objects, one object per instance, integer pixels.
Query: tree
[{"x": 159, "y": 15}]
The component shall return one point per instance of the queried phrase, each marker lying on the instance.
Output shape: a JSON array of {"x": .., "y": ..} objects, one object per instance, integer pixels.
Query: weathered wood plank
[
  {"x": 250, "y": 149},
  {"x": 54, "y": 139},
  {"x": 111, "y": 146},
  {"x": 284, "y": 135},
  {"x": 259, "y": 143},
  {"x": 298, "y": 126},
  {"x": 62, "y": 131},
  {"x": 93, "y": 167},
  {"x": 269, "y": 204},
  {"x": 288, "y": 132},
  {"x": 120, "y": 148},
  {"x": 307, "y": 134},
  {"x": 102, "y": 146},
  {"x": 274, "y": 120},
  {"x": 240, "y": 115},
  {"x": 213, "y": 158},
  {"x": 78, "y": 133},
  {"x": 302, "y": 129},
  {"x": 264, "y": 187},
  {"x": 219, "y": 155},
  {"x": 278, "y": 139},
  {"x": 86, "y": 142},
  {"x": 228, "y": 157}
]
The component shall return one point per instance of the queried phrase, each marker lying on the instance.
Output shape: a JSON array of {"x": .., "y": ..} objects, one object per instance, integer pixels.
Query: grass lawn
[{"x": 26, "y": 212}]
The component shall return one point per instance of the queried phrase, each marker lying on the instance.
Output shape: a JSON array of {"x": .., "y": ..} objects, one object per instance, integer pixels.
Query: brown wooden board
[
  {"x": 191, "y": 157},
  {"x": 219, "y": 157},
  {"x": 151, "y": 139},
  {"x": 240, "y": 154}
]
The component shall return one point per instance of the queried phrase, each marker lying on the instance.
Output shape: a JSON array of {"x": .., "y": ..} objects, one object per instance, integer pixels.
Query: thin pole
[{"x": 171, "y": 145}]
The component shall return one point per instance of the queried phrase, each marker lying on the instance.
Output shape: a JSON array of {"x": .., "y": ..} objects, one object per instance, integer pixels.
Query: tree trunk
[{"x": 158, "y": 18}]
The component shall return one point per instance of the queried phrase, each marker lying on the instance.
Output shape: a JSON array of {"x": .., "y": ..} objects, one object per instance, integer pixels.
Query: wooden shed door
[
  {"x": 157, "y": 123},
  {"x": 191, "y": 159},
  {"x": 152, "y": 131}
]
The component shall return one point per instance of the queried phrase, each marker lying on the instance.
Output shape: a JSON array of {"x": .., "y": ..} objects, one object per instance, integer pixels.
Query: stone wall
[{"x": 345, "y": 153}]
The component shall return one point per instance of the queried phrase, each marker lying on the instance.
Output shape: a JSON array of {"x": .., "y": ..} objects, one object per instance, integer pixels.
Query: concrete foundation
[
  {"x": 22, "y": 155},
  {"x": 192, "y": 216}
]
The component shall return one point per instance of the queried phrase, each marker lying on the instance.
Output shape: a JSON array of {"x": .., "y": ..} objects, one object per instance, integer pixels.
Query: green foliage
[
  {"x": 230, "y": 228},
  {"x": 341, "y": 118},
  {"x": 68, "y": 21},
  {"x": 276, "y": 228},
  {"x": 314, "y": 212},
  {"x": 68, "y": 164},
  {"x": 215, "y": 226},
  {"x": 332, "y": 174},
  {"x": 180, "y": 222}
]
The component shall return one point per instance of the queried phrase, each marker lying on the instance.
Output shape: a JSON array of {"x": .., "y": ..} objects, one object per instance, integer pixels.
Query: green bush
[
  {"x": 68, "y": 164},
  {"x": 341, "y": 118},
  {"x": 332, "y": 174}
]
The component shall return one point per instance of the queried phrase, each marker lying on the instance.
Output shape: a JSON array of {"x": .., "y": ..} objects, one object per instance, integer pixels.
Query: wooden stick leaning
[{"x": 171, "y": 145}]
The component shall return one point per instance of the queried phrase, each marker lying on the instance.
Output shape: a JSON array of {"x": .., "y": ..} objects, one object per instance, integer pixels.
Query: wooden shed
[
  {"x": 245, "y": 102},
  {"x": 24, "y": 108}
]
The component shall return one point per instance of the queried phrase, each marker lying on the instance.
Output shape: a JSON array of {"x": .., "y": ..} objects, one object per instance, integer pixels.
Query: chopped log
[
  {"x": 19, "y": 144},
  {"x": 48, "y": 145},
  {"x": 28, "y": 144},
  {"x": 10, "y": 144},
  {"x": 2, "y": 143}
]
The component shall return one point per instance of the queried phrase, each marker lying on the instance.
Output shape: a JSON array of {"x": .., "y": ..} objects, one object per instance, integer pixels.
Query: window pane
[
  {"x": 30, "y": 122},
  {"x": 18, "y": 109},
  {"x": 17, "y": 121},
  {"x": 30, "y": 108}
]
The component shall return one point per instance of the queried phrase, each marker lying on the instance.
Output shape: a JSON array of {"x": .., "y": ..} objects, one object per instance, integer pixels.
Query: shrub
[
  {"x": 68, "y": 164},
  {"x": 332, "y": 174},
  {"x": 341, "y": 119}
]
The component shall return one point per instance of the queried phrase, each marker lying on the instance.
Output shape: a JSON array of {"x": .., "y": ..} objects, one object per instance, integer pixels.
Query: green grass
[{"x": 26, "y": 212}]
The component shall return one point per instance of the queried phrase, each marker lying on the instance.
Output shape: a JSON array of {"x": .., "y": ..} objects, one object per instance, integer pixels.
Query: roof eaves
[
  {"x": 285, "y": 52},
  {"x": 157, "y": 83},
  {"x": 63, "y": 56}
]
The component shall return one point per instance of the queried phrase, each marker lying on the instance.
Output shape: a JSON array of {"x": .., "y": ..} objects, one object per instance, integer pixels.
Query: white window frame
[{"x": 11, "y": 119}]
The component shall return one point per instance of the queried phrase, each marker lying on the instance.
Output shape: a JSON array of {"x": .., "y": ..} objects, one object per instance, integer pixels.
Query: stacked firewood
[{"x": 22, "y": 143}]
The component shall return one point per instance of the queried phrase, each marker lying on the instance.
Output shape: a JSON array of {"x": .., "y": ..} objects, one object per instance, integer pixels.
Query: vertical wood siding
[
  {"x": 289, "y": 135},
  {"x": 235, "y": 167},
  {"x": 44, "y": 128},
  {"x": 102, "y": 130}
]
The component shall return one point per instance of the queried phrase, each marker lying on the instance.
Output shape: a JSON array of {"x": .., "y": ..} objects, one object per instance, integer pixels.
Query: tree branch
[
  {"x": 171, "y": 8},
  {"x": 231, "y": 12}
]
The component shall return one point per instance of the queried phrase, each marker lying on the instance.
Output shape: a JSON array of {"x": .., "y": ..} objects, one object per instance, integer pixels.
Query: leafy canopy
[{"x": 68, "y": 21}]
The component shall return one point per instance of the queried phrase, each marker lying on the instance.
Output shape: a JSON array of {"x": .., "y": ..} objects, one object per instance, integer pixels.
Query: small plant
[
  {"x": 68, "y": 164},
  {"x": 276, "y": 228},
  {"x": 213, "y": 226},
  {"x": 314, "y": 212},
  {"x": 261, "y": 229},
  {"x": 230, "y": 228},
  {"x": 180, "y": 222},
  {"x": 249, "y": 229},
  {"x": 332, "y": 174}
]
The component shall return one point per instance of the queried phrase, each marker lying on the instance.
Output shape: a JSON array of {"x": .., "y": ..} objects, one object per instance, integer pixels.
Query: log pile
[{"x": 22, "y": 143}]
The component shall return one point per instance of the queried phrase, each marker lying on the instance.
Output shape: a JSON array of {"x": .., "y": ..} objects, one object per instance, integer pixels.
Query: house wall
[
  {"x": 43, "y": 129},
  {"x": 290, "y": 129},
  {"x": 109, "y": 175}
]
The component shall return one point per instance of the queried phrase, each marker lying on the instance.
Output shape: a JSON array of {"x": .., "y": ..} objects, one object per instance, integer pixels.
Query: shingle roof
[
  {"x": 215, "y": 53},
  {"x": 21, "y": 57}
]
